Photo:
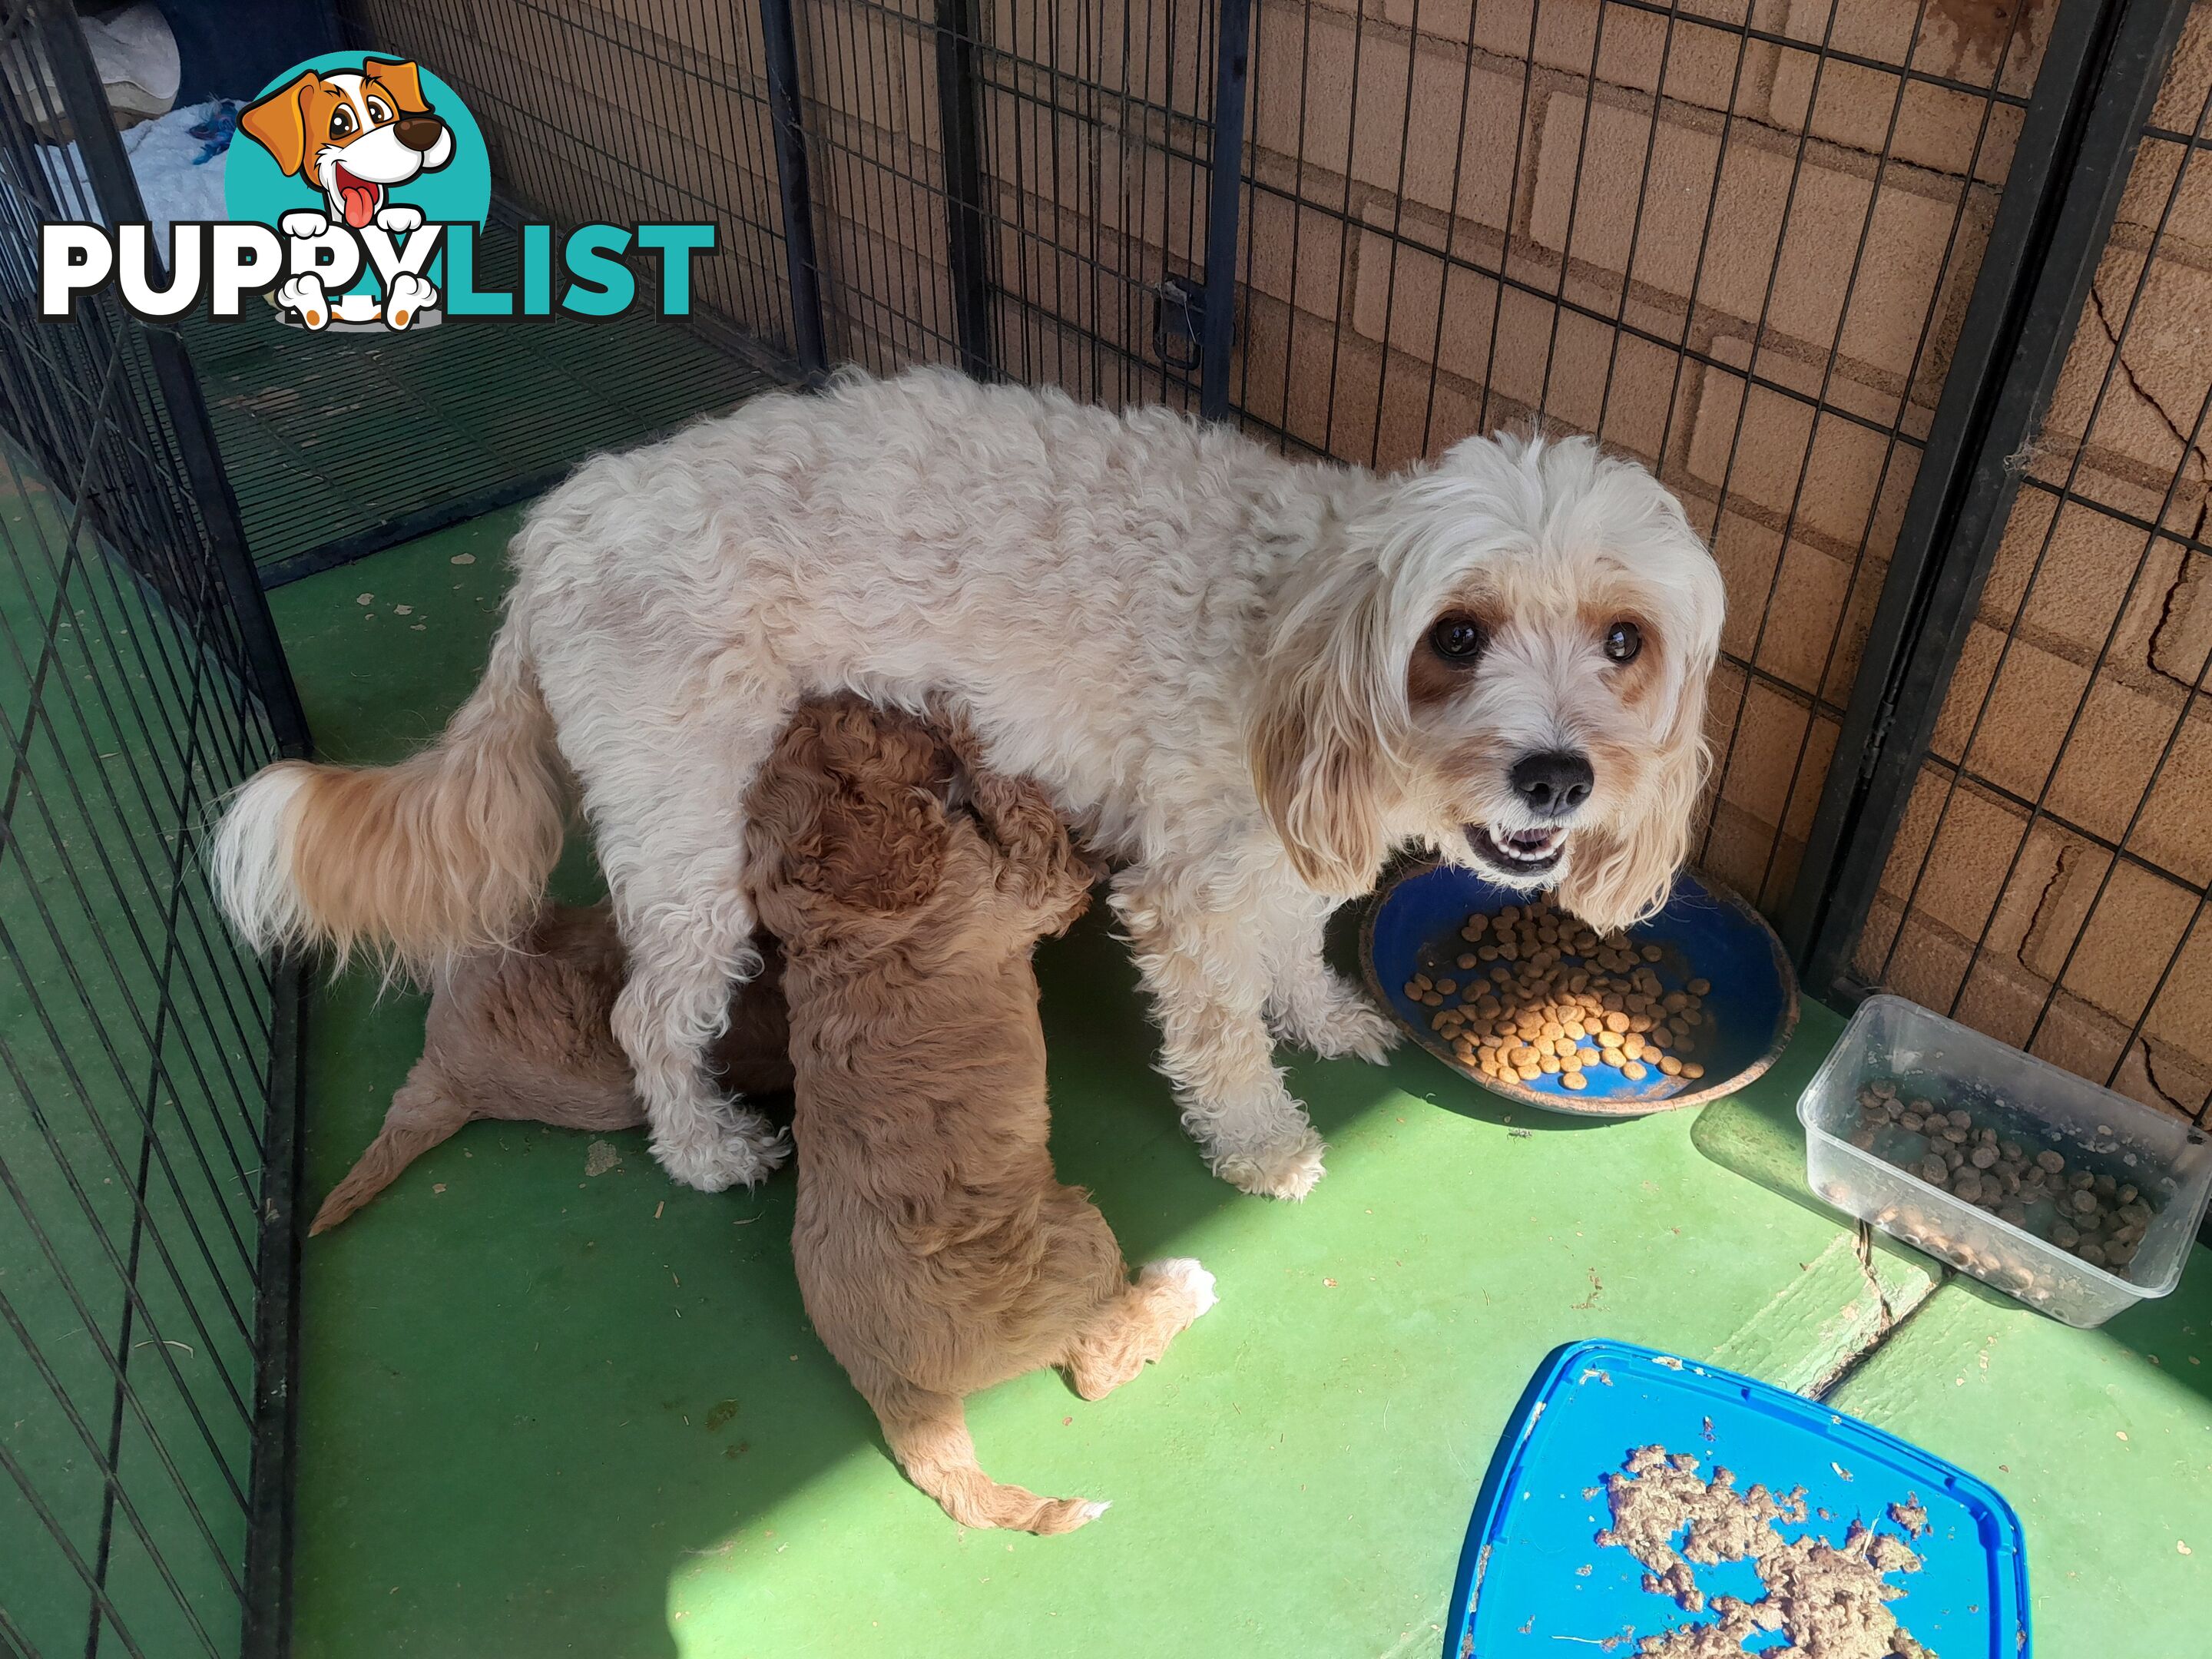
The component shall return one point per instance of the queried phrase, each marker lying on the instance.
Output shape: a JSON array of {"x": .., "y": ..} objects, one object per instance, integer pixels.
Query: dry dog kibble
[
  {"x": 1555, "y": 999},
  {"x": 2097, "y": 1216}
]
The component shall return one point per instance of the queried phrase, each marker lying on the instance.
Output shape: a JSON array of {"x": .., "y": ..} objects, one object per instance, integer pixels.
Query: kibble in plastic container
[{"x": 1861, "y": 1156}]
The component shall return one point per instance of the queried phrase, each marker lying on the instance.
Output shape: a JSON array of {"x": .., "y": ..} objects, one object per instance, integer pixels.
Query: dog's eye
[
  {"x": 341, "y": 122},
  {"x": 1623, "y": 640},
  {"x": 378, "y": 111},
  {"x": 1457, "y": 639}
]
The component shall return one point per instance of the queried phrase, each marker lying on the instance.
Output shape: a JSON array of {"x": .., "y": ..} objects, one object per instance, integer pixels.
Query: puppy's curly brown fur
[
  {"x": 523, "y": 1034},
  {"x": 936, "y": 1251}
]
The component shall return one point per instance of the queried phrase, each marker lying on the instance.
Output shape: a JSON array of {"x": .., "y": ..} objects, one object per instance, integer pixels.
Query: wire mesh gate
[
  {"x": 2034, "y": 858},
  {"x": 148, "y": 1077}
]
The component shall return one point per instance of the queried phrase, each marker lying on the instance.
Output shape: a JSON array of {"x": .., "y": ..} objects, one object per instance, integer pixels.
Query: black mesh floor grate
[{"x": 338, "y": 444}]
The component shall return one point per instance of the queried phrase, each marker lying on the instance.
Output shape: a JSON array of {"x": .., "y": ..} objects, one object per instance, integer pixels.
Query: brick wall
[{"x": 2049, "y": 882}]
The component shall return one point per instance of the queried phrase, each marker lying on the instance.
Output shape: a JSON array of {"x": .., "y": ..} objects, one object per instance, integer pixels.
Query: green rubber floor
[{"x": 554, "y": 1405}]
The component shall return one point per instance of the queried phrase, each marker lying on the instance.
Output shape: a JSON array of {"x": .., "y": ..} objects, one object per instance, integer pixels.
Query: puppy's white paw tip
[
  {"x": 1092, "y": 1511},
  {"x": 1185, "y": 1272}
]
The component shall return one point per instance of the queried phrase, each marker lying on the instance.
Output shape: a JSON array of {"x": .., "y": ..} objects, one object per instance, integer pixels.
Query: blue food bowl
[
  {"x": 1705, "y": 932},
  {"x": 1536, "y": 1582}
]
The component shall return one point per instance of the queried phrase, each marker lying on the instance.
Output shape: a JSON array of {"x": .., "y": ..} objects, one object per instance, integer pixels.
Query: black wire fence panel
[
  {"x": 2050, "y": 882},
  {"x": 1078, "y": 134},
  {"x": 1735, "y": 238},
  {"x": 622, "y": 111},
  {"x": 140, "y": 1047}
]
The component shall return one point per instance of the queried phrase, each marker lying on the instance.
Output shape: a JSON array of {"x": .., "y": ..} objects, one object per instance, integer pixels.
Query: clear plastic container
[{"x": 2043, "y": 1108}]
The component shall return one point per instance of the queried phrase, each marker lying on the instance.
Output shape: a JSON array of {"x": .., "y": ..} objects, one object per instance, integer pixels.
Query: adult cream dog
[{"x": 1246, "y": 678}]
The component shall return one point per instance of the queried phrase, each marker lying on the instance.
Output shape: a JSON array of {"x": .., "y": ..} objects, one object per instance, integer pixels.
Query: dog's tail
[
  {"x": 444, "y": 852},
  {"x": 422, "y": 1115},
  {"x": 928, "y": 1434}
]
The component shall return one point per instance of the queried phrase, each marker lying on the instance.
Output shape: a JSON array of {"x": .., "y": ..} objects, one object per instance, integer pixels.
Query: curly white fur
[{"x": 1203, "y": 649}]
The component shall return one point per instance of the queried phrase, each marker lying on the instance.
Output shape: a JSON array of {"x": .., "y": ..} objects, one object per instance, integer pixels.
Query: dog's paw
[
  {"x": 1183, "y": 1274},
  {"x": 305, "y": 295},
  {"x": 714, "y": 1157},
  {"x": 410, "y": 297},
  {"x": 1343, "y": 1023},
  {"x": 1286, "y": 1170},
  {"x": 304, "y": 224},
  {"x": 399, "y": 219}
]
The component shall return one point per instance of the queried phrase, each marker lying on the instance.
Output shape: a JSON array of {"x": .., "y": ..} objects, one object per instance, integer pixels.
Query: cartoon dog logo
[{"x": 356, "y": 135}]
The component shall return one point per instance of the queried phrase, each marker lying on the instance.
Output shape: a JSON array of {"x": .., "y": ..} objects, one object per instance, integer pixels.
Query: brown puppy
[
  {"x": 936, "y": 1252},
  {"x": 523, "y": 1035}
]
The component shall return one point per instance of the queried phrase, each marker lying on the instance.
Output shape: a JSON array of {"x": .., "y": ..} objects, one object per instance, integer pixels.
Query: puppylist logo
[{"x": 357, "y": 188}]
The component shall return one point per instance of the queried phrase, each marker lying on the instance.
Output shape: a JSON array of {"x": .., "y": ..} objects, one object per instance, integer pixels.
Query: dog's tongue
[{"x": 360, "y": 201}]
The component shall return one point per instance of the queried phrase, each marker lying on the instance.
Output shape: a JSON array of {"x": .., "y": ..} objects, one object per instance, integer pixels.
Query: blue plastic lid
[{"x": 1533, "y": 1578}]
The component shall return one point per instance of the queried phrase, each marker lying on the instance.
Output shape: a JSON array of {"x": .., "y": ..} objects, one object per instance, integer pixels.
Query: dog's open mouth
[
  {"x": 1517, "y": 852},
  {"x": 361, "y": 196}
]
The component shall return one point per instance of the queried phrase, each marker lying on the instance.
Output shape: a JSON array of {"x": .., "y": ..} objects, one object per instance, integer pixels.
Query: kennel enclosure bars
[
  {"x": 2048, "y": 880},
  {"x": 146, "y": 1115}
]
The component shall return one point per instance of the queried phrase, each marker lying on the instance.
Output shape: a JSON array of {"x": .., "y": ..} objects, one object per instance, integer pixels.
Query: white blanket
[{"x": 176, "y": 176}]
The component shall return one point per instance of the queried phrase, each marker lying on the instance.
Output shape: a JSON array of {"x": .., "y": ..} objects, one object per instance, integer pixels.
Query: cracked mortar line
[
  {"x": 2059, "y": 864},
  {"x": 2127, "y": 370},
  {"x": 2159, "y": 1088}
]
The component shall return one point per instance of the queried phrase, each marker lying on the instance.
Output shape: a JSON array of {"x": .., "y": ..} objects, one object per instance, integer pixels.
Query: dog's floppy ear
[
  {"x": 1329, "y": 706},
  {"x": 402, "y": 80},
  {"x": 279, "y": 123},
  {"x": 1620, "y": 873}
]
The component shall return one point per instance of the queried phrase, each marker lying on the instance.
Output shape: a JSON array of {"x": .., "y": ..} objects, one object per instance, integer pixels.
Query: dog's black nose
[
  {"x": 1552, "y": 784},
  {"x": 419, "y": 132}
]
